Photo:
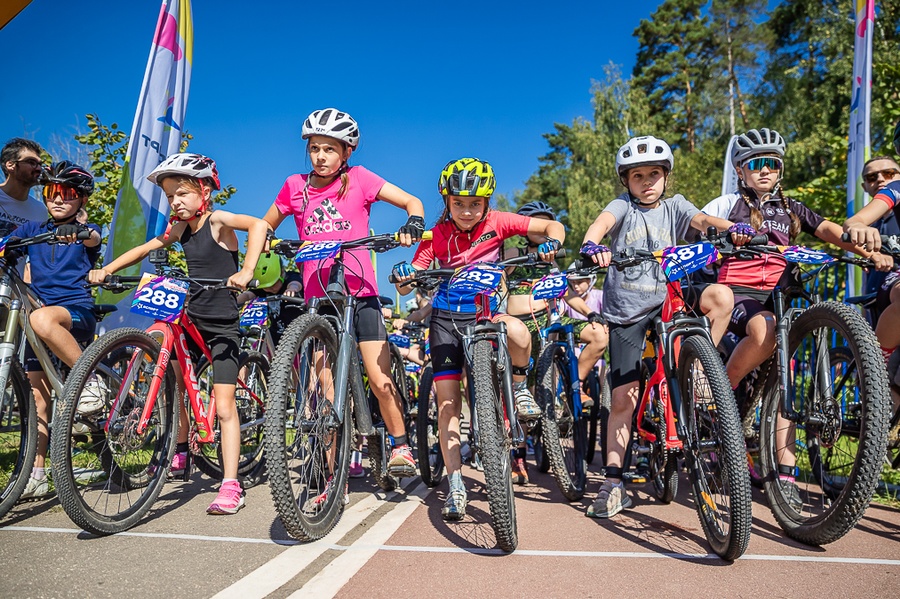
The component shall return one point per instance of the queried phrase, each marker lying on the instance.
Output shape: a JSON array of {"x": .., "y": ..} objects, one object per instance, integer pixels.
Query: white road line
[
  {"x": 338, "y": 572},
  {"x": 155, "y": 535},
  {"x": 279, "y": 570}
]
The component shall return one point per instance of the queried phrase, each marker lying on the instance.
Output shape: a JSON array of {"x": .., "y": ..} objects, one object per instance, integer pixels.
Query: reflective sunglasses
[
  {"x": 757, "y": 164},
  {"x": 68, "y": 194},
  {"x": 888, "y": 174}
]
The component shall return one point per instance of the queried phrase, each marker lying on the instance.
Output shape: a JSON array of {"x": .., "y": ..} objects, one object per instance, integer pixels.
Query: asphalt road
[{"x": 397, "y": 545}]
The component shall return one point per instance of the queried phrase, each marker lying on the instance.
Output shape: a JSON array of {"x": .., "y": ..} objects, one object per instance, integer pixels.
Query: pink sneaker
[
  {"x": 229, "y": 500},
  {"x": 356, "y": 470},
  {"x": 314, "y": 505},
  {"x": 402, "y": 463},
  {"x": 179, "y": 463}
]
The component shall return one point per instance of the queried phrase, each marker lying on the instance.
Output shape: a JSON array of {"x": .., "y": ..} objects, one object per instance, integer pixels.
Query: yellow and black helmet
[{"x": 467, "y": 177}]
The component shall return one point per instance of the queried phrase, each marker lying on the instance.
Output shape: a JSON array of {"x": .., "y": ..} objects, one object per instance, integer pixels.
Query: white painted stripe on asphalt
[
  {"x": 339, "y": 571},
  {"x": 349, "y": 517},
  {"x": 279, "y": 570}
]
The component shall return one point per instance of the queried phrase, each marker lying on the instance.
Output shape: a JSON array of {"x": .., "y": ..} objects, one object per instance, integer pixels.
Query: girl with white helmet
[
  {"x": 210, "y": 248},
  {"x": 642, "y": 218},
  {"x": 332, "y": 203},
  {"x": 758, "y": 157}
]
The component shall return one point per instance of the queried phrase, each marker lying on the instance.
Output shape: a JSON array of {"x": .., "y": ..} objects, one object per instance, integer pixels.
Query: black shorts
[
  {"x": 445, "y": 340},
  {"x": 84, "y": 324},
  {"x": 367, "y": 318},
  {"x": 224, "y": 341},
  {"x": 883, "y": 295},
  {"x": 626, "y": 347},
  {"x": 747, "y": 304}
]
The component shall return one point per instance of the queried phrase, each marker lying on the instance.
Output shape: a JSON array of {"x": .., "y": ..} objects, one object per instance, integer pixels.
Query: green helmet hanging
[{"x": 268, "y": 270}]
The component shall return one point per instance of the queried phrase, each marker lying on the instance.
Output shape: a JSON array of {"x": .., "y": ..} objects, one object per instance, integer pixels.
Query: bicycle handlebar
[
  {"x": 422, "y": 277},
  {"x": 378, "y": 243}
]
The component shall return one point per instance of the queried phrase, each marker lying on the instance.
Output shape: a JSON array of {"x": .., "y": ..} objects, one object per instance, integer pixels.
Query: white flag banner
[
  {"x": 729, "y": 173},
  {"x": 858, "y": 144},
  {"x": 142, "y": 211}
]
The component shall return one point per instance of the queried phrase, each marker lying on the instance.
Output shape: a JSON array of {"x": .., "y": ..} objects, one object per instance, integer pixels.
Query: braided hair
[{"x": 756, "y": 217}]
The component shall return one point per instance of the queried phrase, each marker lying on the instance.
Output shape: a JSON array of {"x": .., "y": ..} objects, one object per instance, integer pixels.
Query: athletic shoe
[
  {"x": 402, "y": 464},
  {"x": 36, "y": 489},
  {"x": 519, "y": 472},
  {"x": 229, "y": 500},
  {"x": 91, "y": 400},
  {"x": 179, "y": 463},
  {"x": 356, "y": 470},
  {"x": 611, "y": 500},
  {"x": 526, "y": 407},
  {"x": 455, "y": 505}
]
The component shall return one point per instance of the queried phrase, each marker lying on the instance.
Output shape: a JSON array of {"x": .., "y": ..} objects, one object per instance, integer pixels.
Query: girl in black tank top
[{"x": 211, "y": 248}]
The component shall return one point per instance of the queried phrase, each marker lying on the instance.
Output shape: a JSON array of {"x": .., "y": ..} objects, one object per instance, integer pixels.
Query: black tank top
[{"x": 206, "y": 259}]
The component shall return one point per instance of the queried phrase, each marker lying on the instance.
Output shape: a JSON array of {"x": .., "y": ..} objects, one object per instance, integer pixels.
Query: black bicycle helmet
[
  {"x": 537, "y": 208},
  {"x": 71, "y": 175}
]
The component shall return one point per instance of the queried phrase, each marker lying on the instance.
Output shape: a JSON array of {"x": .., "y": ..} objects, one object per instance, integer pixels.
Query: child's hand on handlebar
[
  {"x": 547, "y": 250},
  {"x": 403, "y": 272},
  {"x": 883, "y": 262},
  {"x": 98, "y": 276},
  {"x": 741, "y": 233},
  {"x": 240, "y": 279},
  {"x": 597, "y": 253}
]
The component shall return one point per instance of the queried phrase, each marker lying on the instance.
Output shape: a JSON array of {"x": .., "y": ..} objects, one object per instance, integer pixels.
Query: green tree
[{"x": 672, "y": 64}]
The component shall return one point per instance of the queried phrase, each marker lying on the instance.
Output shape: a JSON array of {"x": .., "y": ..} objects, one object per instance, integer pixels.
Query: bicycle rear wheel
[
  {"x": 431, "y": 460},
  {"x": 250, "y": 400},
  {"x": 564, "y": 436},
  {"x": 836, "y": 447},
  {"x": 307, "y": 441},
  {"x": 494, "y": 443},
  {"x": 714, "y": 449},
  {"x": 18, "y": 436},
  {"x": 107, "y": 473}
]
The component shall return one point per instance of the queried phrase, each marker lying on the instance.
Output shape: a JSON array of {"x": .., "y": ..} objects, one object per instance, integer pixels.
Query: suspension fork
[
  {"x": 782, "y": 358},
  {"x": 8, "y": 345}
]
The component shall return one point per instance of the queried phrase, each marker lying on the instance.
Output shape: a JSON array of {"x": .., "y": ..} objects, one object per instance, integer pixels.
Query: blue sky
[{"x": 427, "y": 81}]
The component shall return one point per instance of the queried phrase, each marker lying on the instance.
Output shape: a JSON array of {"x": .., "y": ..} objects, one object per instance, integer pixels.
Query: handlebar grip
[
  {"x": 760, "y": 240},
  {"x": 845, "y": 237},
  {"x": 561, "y": 253},
  {"x": 84, "y": 234},
  {"x": 426, "y": 236}
]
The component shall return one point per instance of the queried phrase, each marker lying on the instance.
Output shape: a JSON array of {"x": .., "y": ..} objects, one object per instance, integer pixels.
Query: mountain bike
[
  {"x": 687, "y": 409},
  {"x": 18, "y": 418},
  {"x": 109, "y": 477},
  {"x": 494, "y": 429},
  {"x": 318, "y": 397},
  {"x": 563, "y": 432},
  {"x": 817, "y": 414}
]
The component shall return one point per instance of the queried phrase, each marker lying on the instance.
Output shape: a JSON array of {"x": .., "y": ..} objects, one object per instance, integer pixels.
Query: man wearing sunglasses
[
  {"x": 20, "y": 160},
  {"x": 59, "y": 277}
]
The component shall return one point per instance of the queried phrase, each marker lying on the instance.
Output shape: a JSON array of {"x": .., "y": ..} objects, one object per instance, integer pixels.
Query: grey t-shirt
[
  {"x": 633, "y": 293},
  {"x": 14, "y": 213}
]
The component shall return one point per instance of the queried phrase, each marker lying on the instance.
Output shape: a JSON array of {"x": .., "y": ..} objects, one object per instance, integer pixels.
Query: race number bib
[
  {"x": 477, "y": 278},
  {"x": 550, "y": 286},
  {"x": 317, "y": 250},
  {"x": 399, "y": 340},
  {"x": 160, "y": 298},
  {"x": 804, "y": 255},
  {"x": 255, "y": 314},
  {"x": 682, "y": 260}
]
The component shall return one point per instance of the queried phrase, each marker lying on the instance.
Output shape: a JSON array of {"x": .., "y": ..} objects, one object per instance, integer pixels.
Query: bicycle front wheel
[
  {"x": 18, "y": 436},
  {"x": 494, "y": 443},
  {"x": 431, "y": 460},
  {"x": 563, "y": 432},
  {"x": 714, "y": 449},
  {"x": 110, "y": 465},
  {"x": 307, "y": 440},
  {"x": 823, "y": 465}
]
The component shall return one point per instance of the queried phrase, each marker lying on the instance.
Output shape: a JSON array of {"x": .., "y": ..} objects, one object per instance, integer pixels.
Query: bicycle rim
[{"x": 431, "y": 460}]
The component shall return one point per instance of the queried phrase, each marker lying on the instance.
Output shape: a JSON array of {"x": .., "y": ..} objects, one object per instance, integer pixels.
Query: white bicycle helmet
[
  {"x": 412, "y": 304},
  {"x": 574, "y": 276},
  {"x": 331, "y": 122},
  {"x": 188, "y": 165},
  {"x": 755, "y": 143},
  {"x": 644, "y": 151}
]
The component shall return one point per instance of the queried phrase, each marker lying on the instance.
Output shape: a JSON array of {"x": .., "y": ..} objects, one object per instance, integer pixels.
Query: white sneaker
[
  {"x": 36, "y": 489},
  {"x": 92, "y": 396},
  {"x": 525, "y": 404}
]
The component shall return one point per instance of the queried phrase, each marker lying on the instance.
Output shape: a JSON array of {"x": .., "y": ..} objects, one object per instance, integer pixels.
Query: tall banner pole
[
  {"x": 858, "y": 144},
  {"x": 729, "y": 173},
  {"x": 141, "y": 208}
]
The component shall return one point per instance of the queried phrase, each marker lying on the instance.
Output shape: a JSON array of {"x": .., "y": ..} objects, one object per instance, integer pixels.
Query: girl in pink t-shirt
[{"x": 332, "y": 203}]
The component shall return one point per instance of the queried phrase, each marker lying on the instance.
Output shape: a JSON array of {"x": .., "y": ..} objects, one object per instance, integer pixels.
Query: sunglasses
[
  {"x": 887, "y": 174},
  {"x": 32, "y": 162},
  {"x": 68, "y": 194},
  {"x": 757, "y": 164}
]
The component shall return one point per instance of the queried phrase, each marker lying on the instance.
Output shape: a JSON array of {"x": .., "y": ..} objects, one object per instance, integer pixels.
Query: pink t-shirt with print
[{"x": 326, "y": 217}]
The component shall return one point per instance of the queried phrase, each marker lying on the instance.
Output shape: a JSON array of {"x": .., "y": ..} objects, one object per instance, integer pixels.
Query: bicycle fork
[{"x": 8, "y": 345}]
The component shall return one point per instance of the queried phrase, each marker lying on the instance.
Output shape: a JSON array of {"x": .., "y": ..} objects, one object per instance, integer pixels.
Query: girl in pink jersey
[
  {"x": 468, "y": 231},
  {"x": 332, "y": 203}
]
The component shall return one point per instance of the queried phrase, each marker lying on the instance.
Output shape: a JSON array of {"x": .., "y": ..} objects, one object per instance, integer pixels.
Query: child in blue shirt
[{"x": 58, "y": 276}]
